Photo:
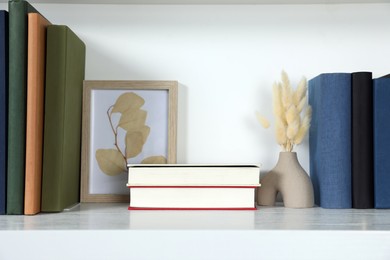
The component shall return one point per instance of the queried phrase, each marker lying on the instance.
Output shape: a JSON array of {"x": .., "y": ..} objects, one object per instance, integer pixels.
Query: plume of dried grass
[
  {"x": 280, "y": 133},
  {"x": 304, "y": 126},
  {"x": 262, "y": 120},
  {"x": 288, "y": 105}
]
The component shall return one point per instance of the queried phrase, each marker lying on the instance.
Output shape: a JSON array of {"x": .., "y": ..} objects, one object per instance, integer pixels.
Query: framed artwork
[{"x": 124, "y": 122}]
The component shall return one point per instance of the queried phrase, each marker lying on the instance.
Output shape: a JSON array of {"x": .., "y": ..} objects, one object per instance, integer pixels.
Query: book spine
[
  {"x": 330, "y": 139},
  {"x": 3, "y": 107},
  {"x": 17, "y": 106},
  {"x": 381, "y": 142},
  {"x": 362, "y": 141},
  {"x": 65, "y": 64},
  {"x": 35, "y": 108},
  {"x": 53, "y": 122}
]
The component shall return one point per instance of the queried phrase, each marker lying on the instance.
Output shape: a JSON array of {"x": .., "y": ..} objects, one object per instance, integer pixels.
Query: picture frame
[{"x": 124, "y": 122}]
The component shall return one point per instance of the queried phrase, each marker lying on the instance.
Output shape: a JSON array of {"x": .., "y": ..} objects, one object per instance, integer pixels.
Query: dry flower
[
  {"x": 262, "y": 120},
  {"x": 288, "y": 105}
]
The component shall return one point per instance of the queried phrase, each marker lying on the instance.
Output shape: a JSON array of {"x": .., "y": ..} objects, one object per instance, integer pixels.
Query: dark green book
[
  {"x": 18, "y": 11},
  {"x": 3, "y": 107},
  {"x": 65, "y": 67}
]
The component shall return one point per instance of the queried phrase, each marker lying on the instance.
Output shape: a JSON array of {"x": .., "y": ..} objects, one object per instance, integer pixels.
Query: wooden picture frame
[{"x": 124, "y": 121}]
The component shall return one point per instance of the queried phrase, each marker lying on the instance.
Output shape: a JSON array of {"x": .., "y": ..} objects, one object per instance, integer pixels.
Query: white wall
[{"x": 226, "y": 59}]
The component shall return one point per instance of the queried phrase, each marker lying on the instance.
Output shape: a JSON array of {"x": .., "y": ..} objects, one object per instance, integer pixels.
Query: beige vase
[{"x": 291, "y": 180}]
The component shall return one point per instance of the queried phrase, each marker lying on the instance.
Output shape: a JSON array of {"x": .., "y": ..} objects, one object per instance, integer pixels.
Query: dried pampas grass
[
  {"x": 262, "y": 120},
  {"x": 288, "y": 106}
]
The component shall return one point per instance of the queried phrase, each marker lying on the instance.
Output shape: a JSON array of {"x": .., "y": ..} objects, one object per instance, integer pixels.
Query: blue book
[
  {"x": 3, "y": 107},
  {"x": 330, "y": 139},
  {"x": 382, "y": 142}
]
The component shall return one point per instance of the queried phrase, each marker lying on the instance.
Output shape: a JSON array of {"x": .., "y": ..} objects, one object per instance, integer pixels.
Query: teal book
[
  {"x": 18, "y": 11},
  {"x": 65, "y": 66},
  {"x": 3, "y": 107},
  {"x": 382, "y": 142},
  {"x": 330, "y": 139}
]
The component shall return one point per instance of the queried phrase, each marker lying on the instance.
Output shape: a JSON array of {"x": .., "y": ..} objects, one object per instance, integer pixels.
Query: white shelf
[
  {"x": 111, "y": 216},
  {"x": 110, "y": 231}
]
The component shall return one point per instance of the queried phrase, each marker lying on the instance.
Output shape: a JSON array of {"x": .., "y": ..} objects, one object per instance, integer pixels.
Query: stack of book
[
  {"x": 41, "y": 77},
  {"x": 193, "y": 187},
  {"x": 349, "y": 137}
]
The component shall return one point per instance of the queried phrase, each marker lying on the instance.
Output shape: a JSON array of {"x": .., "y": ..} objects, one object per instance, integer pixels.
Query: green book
[
  {"x": 18, "y": 11},
  {"x": 65, "y": 68}
]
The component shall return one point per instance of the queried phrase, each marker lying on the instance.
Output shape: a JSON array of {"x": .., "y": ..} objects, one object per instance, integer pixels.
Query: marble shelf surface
[
  {"x": 110, "y": 231},
  {"x": 115, "y": 216}
]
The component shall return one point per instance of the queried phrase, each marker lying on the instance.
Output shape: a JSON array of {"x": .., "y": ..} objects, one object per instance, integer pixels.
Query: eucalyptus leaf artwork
[{"x": 132, "y": 120}]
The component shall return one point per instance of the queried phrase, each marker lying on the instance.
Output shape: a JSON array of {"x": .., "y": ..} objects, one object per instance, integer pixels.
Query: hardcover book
[
  {"x": 18, "y": 11},
  {"x": 36, "y": 50},
  {"x": 65, "y": 65},
  {"x": 3, "y": 107},
  {"x": 196, "y": 187},
  {"x": 189, "y": 174},
  {"x": 362, "y": 141},
  {"x": 193, "y": 197},
  {"x": 330, "y": 139},
  {"x": 381, "y": 142}
]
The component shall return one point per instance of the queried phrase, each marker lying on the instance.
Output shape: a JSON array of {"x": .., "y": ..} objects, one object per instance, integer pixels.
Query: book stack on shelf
[
  {"x": 42, "y": 72},
  {"x": 349, "y": 137},
  {"x": 193, "y": 187}
]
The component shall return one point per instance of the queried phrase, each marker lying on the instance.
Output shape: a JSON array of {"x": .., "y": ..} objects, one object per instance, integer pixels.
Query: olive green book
[
  {"x": 17, "y": 88},
  {"x": 65, "y": 68}
]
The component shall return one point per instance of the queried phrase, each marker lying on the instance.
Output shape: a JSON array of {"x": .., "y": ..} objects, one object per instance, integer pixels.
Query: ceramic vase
[{"x": 291, "y": 180}]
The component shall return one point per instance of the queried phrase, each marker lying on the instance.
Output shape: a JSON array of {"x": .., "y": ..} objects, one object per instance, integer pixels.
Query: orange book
[{"x": 36, "y": 59}]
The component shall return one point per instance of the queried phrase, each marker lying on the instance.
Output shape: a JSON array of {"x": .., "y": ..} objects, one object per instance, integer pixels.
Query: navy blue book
[
  {"x": 330, "y": 139},
  {"x": 3, "y": 107},
  {"x": 382, "y": 142}
]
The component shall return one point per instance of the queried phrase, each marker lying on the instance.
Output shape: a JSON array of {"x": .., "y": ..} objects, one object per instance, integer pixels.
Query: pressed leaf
[
  {"x": 135, "y": 141},
  {"x": 127, "y": 101},
  {"x": 132, "y": 119},
  {"x": 110, "y": 161},
  {"x": 155, "y": 160}
]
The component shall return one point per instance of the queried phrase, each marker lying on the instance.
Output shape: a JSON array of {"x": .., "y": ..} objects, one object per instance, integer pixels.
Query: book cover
[
  {"x": 3, "y": 107},
  {"x": 362, "y": 141},
  {"x": 330, "y": 139},
  {"x": 18, "y": 11},
  {"x": 65, "y": 66},
  {"x": 36, "y": 54},
  {"x": 381, "y": 142}
]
